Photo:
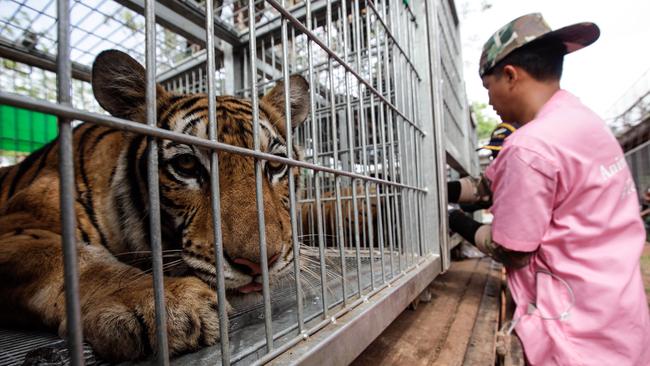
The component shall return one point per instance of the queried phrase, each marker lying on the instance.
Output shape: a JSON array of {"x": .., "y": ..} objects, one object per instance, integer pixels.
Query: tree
[{"x": 484, "y": 122}]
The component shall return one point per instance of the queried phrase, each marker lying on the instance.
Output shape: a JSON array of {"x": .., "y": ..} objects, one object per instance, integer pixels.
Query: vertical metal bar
[
  {"x": 399, "y": 123},
  {"x": 292, "y": 189},
  {"x": 335, "y": 150},
  {"x": 350, "y": 122},
  {"x": 380, "y": 236},
  {"x": 246, "y": 68},
  {"x": 152, "y": 186},
  {"x": 408, "y": 133},
  {"x": 433, "y": 48},
  {"x": 265, "y": 76},
  {"x": 408, "y": 147},
  {"x": 315, "y": 151},
  {"x": 362, "y": 127},
  {"x": 66, "y": 173},
  {"x": 386, "y": 128},
  {"x": 401, "y": 143},
  {"x": 215, "y": 194},
  {"x": 272, "y": 40},
  {"x": 259, "y": 198},
  {"x": 415, "y": 118},
  {"x": 391, "y": 82},
  {"x": 421, "y": 195},
  {"x": 193, "y": 88},
  {"x": 294, "y": 64},
  {"x": 202, "y": 88}
]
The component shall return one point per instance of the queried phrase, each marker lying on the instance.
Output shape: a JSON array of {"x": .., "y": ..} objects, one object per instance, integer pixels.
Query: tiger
[{"x": 112, "y": 216}]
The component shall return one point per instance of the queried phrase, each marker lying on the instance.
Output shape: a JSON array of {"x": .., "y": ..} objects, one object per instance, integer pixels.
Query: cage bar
[{"x": 66, "y": 173}]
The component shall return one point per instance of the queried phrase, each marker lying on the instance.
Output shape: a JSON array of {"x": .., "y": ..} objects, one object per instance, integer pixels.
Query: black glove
[
  {"x": 474, "y": 191},
  {"x": 453, "y": 191},
  {"x": 464, "y": 225}
]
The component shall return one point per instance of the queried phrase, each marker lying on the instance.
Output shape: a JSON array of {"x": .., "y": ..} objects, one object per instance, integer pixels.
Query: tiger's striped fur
[{"x": 112, "y": 216}]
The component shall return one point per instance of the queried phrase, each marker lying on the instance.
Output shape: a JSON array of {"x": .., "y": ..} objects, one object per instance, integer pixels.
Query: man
[{"x": 566, "y": 222}]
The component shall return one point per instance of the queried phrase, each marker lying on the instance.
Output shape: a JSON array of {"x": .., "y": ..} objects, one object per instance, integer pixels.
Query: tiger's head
[{"x": 184, "y": 171}]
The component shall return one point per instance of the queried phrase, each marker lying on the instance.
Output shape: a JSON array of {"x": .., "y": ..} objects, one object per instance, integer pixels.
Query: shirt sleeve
[{"x": 523, "y": 189}]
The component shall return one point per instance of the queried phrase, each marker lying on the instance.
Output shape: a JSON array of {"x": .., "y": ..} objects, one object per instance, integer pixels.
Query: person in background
[
  {"x": 566, "y": 215},
  {"x": 472, "y": 193}
]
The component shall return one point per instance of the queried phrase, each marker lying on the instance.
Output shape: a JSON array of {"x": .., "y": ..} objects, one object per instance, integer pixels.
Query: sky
[{"x": 605, "y": 75}]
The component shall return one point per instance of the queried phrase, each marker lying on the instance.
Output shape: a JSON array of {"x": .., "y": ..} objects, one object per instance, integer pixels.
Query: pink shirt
[{"x": 562, "y": 189}]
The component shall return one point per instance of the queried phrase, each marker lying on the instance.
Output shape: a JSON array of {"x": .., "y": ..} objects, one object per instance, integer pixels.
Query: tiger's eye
[
  {"x": 186, "y": 164},
  {"x": 275, "y": 165}
]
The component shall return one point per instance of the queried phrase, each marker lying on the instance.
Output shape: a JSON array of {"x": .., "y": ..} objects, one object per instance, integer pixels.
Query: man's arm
[
  {"x": 470, "y": 190},
  {"x": 481, "y": 236},
  {"x": 509, "y": 258}
]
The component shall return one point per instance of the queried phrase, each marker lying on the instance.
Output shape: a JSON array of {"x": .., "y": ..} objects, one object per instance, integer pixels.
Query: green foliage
[
  {"x": 484, "y": 122},
  {"x": 131, "y": 22}
]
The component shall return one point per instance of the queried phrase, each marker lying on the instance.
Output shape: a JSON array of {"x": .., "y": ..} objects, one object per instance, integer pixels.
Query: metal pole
[
  {"x": 373, "y": 122},
  {"x": 438, "y": 129},
  {"x": 315, "y": 147},
  {"x": 335, "y": 146},
  {"x": 152, "y": 186},
  {"x": 215, "y": 194},
  {"x": 292, "y": 183},
  {"x": 350, "y": 128},
  {"x": 364, "y": 148},
  {"x": 66, "y": 174},
  {"x": 259, "y": 197}
]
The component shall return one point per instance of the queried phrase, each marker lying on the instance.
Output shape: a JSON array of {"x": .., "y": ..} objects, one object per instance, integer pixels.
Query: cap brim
[
  {"x": 489, "y": 147},
  {"x": 575, "y": 36}
]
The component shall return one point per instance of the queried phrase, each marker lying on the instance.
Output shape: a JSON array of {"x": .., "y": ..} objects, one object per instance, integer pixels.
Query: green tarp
[{"x": 22, "y": 130}]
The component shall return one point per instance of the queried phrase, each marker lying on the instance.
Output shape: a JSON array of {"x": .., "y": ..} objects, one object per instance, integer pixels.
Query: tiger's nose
[{"x": 251, "y": 268}]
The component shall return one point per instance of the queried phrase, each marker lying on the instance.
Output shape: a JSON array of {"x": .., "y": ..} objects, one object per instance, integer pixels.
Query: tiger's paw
[{"x": 123, "y": 326}]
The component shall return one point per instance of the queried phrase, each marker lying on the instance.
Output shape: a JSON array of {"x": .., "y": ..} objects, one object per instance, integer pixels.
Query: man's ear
[{"x": 511, "y": 73}]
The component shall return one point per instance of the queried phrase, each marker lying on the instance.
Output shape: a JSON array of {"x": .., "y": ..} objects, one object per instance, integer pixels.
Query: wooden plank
[
  {"x": 481, "y": 349},
  {"x": 515, "y": 356},
  {"x": 437, "y": 332},
  {"x": 457, "y": 339}
]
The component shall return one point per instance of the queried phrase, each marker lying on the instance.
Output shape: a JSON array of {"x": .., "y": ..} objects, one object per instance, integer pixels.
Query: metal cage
[{"x": 368, "y": 214}]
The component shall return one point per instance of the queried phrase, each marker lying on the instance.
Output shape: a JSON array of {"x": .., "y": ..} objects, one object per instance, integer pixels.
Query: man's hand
[
  {"x": 509, "y": 258},
  {"x": 476, "y": 191}
]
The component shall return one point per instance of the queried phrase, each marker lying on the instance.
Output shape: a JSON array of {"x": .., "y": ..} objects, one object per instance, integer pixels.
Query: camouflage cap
[{"x": 529, "y": 28}]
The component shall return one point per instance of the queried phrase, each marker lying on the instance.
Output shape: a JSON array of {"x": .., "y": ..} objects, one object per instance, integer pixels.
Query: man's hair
[{"x": 541, "y": 59}]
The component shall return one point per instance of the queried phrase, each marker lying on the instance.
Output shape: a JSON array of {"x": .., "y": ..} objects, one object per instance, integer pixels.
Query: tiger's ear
[
  {"x": 119, "y": 84},
  {"x": 299, "y": 99}
]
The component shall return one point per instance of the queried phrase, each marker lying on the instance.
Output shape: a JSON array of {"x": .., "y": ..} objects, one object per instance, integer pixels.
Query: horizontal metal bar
[
  {"x": 40, "y": 59},
  {"x": 197, "y": 59},
  {"x": 347, "y": 307},
  {"x": 190, "y": 11},
  {"x": 322, "y": 324},
  {"x": 171, "y": 20},
  {"x": 354, "y": 331},
  {"x": 272, "y": 27},
  {"x": 122, "y": 124},
  {"x": 296, "y": 23},
  {"x": 392, "y": 37}
]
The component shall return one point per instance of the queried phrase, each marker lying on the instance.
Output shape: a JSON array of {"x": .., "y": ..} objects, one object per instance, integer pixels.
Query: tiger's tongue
[{"x": 251, "y": 287}]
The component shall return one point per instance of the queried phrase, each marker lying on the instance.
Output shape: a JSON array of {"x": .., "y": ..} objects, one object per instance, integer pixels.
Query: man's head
[{"x": 521, "y": 63}]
